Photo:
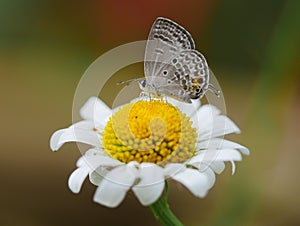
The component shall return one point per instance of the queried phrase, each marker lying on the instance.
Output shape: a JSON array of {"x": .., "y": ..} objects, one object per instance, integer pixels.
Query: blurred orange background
[{"x": 252, "y": 47}]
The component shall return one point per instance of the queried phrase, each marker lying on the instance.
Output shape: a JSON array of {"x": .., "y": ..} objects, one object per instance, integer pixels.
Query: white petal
[
  {"x": 94, "y": 161},
  {"x": 206, "y": 115},
  {"x": 187, "y": 108},
  {"x": 84, "y": 124},
  {"x": 89, "y": 153},
  {"x": 211, "y": 176},
  {"x": 205, "y": 169},
  {"x": 151, "y": 183},
  {"x": 80, "y": 162},
  {"x": 216, "y": 155},
  {"x": 217, "y": 166},
  {"x": 196, "y": 104},
  {"x": 75, "y": 135},
  {"x": 97, "y": 175},
  {"x": 232, "y": 167},
  {"x": 95, "y": 151},
  {"x": 207, "y": 112},
  {"x": 172, "y": 169},
  {"x": 77, "y": 177},
  {"x": 95, "y": 110},
  {"x": 198, "y": 183},
  {"x": 100, "y": 164},
  {"x": 219, "y": 125},
  {"x": 228, "y": 155},
  {"x": 94, "y": 158},
  {"x": 79, "y": 132},
  {"x": 55, "y": 139},
  {"x": 114, "y": 186},
  {"x": 219, "y": 143},
  {"x": 212, "y": 124}
]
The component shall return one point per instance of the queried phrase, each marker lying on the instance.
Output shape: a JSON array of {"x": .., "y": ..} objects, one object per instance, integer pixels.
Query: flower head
[
  {"x": 149, "y": 131},
  {"x": 140, "y": 145}
]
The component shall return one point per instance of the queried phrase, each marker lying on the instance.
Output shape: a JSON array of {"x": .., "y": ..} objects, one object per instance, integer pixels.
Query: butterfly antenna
[
  {"x": 130, "y": 81},
  {"x": 213, "y": 89}
]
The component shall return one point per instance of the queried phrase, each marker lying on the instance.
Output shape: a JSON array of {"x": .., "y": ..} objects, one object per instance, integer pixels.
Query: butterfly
[{"x": 172, "y": 65}]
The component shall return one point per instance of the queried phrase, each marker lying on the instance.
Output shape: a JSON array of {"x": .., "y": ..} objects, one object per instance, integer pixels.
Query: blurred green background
[{"x": 252, "y": 47}]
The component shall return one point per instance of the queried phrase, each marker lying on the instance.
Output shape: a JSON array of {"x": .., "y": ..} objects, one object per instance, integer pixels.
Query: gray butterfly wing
[
  {"x": 167, "y": 88},
  {"x": 165, "y": 41},
  {"x": 176, "y": 92},
  {"x": 188, "y": 71}
]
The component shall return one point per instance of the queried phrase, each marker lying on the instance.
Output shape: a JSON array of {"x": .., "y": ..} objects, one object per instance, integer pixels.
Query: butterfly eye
[
  {"x": 142, "y": 83},
  {"x": 165, "y": 72}
]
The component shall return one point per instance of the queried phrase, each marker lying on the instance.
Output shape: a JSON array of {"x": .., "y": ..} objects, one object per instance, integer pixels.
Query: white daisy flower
[{"x": 140, "y": 145}]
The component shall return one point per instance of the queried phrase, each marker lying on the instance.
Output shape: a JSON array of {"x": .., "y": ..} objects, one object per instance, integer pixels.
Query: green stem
[{"x": 162, "y": 211}]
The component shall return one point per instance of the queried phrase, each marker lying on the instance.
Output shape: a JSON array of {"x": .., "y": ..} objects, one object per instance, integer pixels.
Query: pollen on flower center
[{"x": 149, "y": 131}]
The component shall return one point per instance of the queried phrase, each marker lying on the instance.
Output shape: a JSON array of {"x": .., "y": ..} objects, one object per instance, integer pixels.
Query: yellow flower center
[{"x": 149, "y": 131}]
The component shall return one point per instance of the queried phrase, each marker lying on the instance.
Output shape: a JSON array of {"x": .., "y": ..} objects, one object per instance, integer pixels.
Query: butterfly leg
[
  {"x": 166, "y": 99},
  {"x": 145, "y": 96}
]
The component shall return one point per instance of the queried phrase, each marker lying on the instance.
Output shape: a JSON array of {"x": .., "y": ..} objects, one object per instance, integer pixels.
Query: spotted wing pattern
[
  {"x": 165, "y": 41},
  {"x": 189, "y": 71},
  {"x": 171, "y": 33}
]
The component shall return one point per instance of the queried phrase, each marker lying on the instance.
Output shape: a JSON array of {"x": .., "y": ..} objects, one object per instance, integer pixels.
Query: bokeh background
[{"x": 252, "y": 47}]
